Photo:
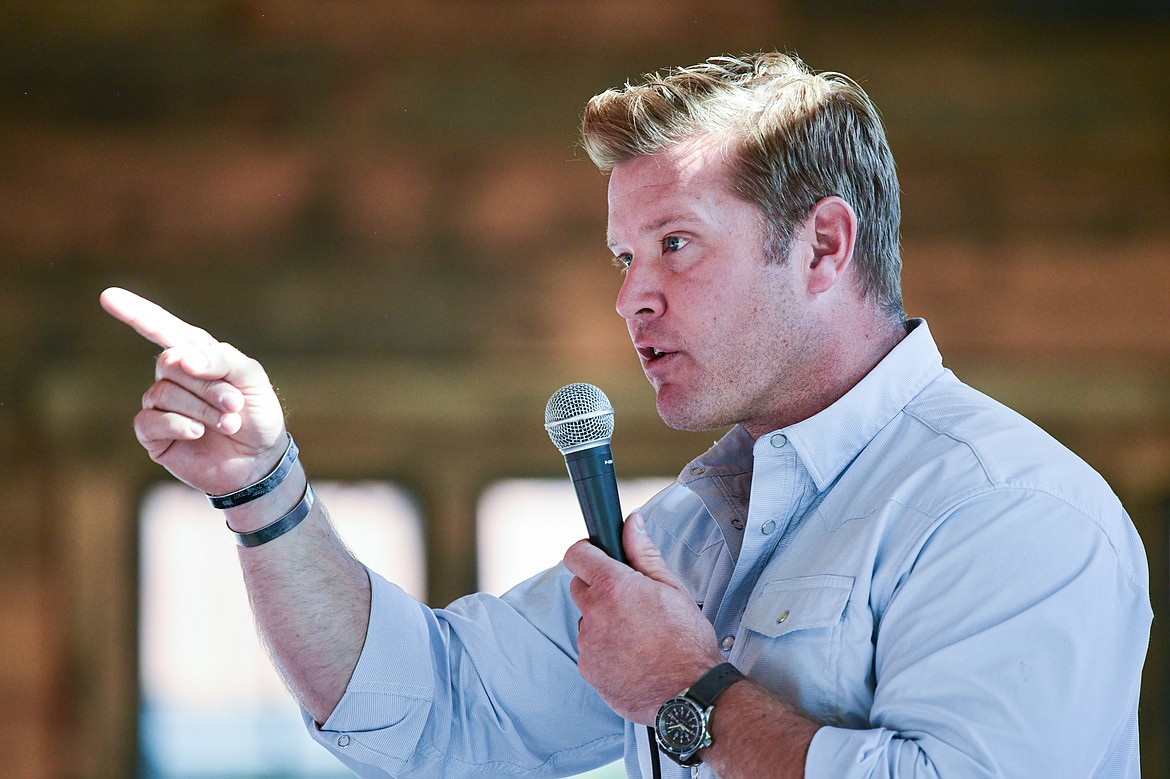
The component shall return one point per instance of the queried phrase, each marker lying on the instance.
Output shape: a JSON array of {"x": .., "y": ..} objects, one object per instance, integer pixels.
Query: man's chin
[{"x": 685, "y": 417}]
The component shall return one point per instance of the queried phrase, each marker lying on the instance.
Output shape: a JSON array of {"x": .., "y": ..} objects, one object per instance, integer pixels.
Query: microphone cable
[{"x": 655, "y": 766}]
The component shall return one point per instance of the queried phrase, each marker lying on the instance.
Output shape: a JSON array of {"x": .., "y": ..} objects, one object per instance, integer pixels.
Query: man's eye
[{"x": 672, "y": 243}]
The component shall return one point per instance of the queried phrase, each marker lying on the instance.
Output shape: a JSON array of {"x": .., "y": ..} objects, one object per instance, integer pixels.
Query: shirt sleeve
[
  {"x": 486, "y": 687},
  {"x": 1012, "y": 646}
]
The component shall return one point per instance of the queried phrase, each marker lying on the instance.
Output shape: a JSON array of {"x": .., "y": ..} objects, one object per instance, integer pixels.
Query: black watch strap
[{"x": 714, "y": 682}]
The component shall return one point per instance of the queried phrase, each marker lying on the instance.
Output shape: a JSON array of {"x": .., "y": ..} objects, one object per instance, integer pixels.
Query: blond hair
[{"x": 792, "y": 136}]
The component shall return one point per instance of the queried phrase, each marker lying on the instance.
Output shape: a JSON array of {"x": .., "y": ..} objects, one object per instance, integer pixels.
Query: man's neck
[{"x": 844, "y": 361}]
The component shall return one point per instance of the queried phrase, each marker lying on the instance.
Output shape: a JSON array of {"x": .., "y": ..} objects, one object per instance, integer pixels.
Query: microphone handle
[{"x": 593, "y": 478}]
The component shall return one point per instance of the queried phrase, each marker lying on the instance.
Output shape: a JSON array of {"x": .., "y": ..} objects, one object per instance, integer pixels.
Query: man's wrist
[
  {"x": 267, "y": 508},
  {"x": 261, "y": 486},
  {"x": 683, "y": 723},
  {"x": 757, "y": 734}
]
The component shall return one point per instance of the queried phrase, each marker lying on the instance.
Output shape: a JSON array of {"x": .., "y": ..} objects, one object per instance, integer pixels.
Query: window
[
  {"x": 525, "y": 525},
  {"x": 212, "y": 705}
]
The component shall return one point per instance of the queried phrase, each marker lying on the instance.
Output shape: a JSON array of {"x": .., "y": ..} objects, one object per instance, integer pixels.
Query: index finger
[{"x": 152, "y": 321}]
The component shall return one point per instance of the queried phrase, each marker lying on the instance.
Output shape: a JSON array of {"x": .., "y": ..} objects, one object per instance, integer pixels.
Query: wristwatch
[{"x": 682, "y": 726}]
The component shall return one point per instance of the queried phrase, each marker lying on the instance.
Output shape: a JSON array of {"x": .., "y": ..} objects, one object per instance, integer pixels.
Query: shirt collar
[{"x": 830, "y": 440}]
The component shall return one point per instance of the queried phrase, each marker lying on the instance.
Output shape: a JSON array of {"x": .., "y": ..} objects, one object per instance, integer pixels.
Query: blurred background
[{"x": 385, "y": 204}]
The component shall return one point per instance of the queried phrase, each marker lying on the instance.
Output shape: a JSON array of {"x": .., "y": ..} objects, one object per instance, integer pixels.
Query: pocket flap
[{"x": 787, "y": 605}]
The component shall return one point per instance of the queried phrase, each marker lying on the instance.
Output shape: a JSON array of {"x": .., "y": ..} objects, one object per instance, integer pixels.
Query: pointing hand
[{"x": 211, "y": 417}]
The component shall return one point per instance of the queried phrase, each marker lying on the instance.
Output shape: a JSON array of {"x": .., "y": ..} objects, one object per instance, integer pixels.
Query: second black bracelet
[{"x": 281, "y": 526}]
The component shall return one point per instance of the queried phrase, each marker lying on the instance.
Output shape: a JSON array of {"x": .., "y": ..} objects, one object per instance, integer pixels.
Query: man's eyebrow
[{"x": 655, "y": 226}]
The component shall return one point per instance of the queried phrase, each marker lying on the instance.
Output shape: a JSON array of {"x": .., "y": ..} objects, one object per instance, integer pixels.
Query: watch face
[{"x": 680, "y": 726}]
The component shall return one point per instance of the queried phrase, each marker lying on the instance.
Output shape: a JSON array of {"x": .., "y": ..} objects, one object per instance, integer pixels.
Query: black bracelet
[
  {"x": 262, "y": 487},
  {"x": 281, "y": 526}
]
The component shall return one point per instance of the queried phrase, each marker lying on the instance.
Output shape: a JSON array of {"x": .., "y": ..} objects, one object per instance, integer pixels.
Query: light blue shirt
[{"x": 946, "y": 588}]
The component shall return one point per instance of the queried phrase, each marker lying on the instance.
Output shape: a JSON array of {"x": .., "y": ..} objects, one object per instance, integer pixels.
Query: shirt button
[
  {"x": 781, "y": 617},
  {"x": 768, "y": 527},
  {"x": 727, "y": 643},
  {"x": 343, "y": 741},
  {"x": 779, "y": 440}
]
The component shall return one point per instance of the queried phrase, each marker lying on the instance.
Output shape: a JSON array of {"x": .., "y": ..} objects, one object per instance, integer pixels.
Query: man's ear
[{"x": 831, "y": 228}]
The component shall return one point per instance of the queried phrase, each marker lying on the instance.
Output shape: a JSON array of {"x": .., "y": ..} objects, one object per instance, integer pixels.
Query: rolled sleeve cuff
[
  {"x": 378, "y": 722},
  {"x": 838, "y": 753}
]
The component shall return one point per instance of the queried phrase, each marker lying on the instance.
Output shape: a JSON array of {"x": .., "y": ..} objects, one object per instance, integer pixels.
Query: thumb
[{"x": 643, "y": 553}]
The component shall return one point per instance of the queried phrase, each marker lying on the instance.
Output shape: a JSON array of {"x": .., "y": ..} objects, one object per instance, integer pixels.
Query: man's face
[{"x": 719, "y": 332}]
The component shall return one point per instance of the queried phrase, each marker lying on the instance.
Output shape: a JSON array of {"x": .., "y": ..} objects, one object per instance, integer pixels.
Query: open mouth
[{"x": 650, "y": 353}]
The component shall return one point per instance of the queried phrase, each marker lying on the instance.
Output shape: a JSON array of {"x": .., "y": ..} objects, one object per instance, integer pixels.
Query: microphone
[{"x": 579, "y": 420}]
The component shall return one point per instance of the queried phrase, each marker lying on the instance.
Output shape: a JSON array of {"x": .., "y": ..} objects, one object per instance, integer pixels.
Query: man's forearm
[
  {"x": 755, "y": 734},
  {"x": 310, "y": 597}
]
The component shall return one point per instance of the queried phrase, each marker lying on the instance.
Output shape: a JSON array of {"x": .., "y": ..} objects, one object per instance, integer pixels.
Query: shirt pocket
[
  {"x": 791, "y": 639},
  {"x": 806, "y": 603}
]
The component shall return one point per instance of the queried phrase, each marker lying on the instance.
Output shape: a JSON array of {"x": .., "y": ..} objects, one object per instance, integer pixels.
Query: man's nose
[{"x": 641, "y": 293}]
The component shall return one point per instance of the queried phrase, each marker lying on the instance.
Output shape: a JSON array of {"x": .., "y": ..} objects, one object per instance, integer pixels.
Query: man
[{"x": 914, "y": 580}]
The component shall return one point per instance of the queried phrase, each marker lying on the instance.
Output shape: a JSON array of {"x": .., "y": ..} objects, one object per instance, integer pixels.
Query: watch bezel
[{"x": 683, "y": 754}]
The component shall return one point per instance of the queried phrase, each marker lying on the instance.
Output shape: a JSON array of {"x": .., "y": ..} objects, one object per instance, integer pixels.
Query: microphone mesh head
[{"x": 578, "y": 416}]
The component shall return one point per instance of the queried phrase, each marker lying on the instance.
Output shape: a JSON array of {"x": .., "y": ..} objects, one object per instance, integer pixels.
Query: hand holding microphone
[{"x": 642, "y": 638}]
